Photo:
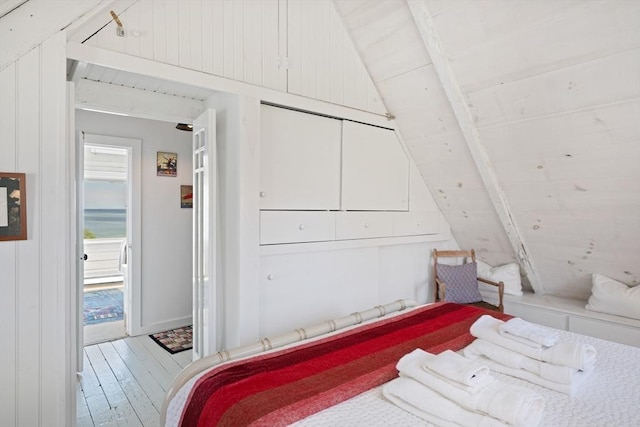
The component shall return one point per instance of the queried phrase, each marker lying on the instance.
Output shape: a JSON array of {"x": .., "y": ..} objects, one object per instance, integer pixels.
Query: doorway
[
  {"x": 166, "y": 263},
  {"x": 105, "y": 217},
  {"x": 108, "y": 216}
]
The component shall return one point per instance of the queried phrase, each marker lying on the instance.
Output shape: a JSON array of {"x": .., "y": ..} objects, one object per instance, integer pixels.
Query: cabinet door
[
  {"x": 300, "y": 160},
  {"x": 307, "y": 288},
  {"x": 375, "y": 169}
]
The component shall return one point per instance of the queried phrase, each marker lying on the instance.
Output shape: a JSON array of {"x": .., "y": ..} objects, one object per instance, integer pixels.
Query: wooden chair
[{"x": 440, "y": 285}]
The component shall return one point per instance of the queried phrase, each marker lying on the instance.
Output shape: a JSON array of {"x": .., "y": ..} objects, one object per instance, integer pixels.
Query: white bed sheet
[{"x": 608, "y": 397}]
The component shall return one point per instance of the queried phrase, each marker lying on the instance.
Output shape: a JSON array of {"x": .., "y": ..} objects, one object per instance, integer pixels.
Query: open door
[
  {"x": 205, "y": 194},
  {"x": 80, "y": 255},
  {"x": 111, "y": 178}
]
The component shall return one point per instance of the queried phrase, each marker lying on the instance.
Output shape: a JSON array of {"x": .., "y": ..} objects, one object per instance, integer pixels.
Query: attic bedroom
[{"x": 347, "y": 141}]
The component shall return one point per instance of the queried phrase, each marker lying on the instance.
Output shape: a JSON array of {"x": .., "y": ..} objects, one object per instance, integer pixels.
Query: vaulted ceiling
[{"x": 524, "y": 120}]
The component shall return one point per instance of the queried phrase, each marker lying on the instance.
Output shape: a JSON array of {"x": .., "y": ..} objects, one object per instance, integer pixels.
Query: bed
[{"x": 333, "y": 374}]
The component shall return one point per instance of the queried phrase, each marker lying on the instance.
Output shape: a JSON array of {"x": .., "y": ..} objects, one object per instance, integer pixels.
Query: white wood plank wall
[
  {"x": 323, "y": 63},
  {"x": 556, "y": 96},
  {"x": 294, "y": 46},
  {"x": 33, "y": 384},
  {"x": 554, "y": 93},
  {"x": 390, "y": 46}
]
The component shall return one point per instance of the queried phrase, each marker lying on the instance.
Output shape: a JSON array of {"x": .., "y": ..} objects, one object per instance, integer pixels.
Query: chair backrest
[
  {"x": 454, "y": 254},
  {"x": 464, "y": 255}
]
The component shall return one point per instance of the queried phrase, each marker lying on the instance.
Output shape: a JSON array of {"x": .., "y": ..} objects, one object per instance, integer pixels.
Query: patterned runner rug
[
  {"x": 174, "y": 340},
  {"x": 103, "y": 306}
]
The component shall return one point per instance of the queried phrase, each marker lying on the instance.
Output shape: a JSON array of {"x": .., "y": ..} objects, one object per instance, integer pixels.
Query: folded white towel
[
  {"x": 528, "y": 333},
  {"x": 457, "y": 368},
  {"x": 425, "y": 403},
  {"x": 575, "y": 355},
  {"x": 512, "y": 359},
  {"x": 499, "y": 354},
  {"x": 569, "y": 389},
  {"x": 508, "y": 403}
]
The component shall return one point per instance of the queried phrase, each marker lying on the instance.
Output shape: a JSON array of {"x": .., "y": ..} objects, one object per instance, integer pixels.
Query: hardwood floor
[{"x": 124, "y": 381}]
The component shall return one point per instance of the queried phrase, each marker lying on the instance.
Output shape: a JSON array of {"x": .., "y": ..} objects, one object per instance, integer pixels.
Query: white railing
[{"x": 103, "y": 260}]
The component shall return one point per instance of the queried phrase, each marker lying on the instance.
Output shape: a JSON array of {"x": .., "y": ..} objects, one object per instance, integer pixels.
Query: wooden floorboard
[
  {"x": 163, "y": 357},
  {"x": 84, "y": 416},
  {"x": 124, "y": 381}
]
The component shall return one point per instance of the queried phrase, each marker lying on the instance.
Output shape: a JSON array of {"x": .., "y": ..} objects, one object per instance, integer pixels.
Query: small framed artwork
[
  {"x": 13, "y": 206},
  {"x": 167, "y": 164},
  {"x": 186, "y": 196}
]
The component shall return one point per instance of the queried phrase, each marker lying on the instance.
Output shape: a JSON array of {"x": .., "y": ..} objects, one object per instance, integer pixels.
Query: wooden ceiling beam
[
  {"x": 463, "y": 115},
  {"x": 104, "y": 97},
  {"x": 25, "y": 27}
]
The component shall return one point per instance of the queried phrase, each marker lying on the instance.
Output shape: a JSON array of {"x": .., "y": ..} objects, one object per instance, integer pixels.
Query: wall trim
[{"x": 290, "y": 248}]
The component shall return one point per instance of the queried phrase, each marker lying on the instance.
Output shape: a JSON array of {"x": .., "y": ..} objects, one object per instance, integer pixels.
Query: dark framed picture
[
  {"x": 167, "y": 164},
  {"x": 186, "y": 196},
  {"x": 13, "y": 206}
]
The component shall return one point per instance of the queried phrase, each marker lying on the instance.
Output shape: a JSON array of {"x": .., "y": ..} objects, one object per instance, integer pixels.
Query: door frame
[{"x": 133, "y": 305}]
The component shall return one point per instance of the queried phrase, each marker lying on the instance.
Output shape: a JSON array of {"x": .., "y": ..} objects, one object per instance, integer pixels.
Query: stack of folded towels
[
  {"x": 530, "y": 352},
  {"x": 449, "y": 390}
]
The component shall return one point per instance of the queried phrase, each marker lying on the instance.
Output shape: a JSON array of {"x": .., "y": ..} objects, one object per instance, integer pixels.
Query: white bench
[{"x": 570, "y": 315}]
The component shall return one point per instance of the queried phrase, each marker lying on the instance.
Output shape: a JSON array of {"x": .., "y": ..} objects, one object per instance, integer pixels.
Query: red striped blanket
[{"x": 281, "y": 387}]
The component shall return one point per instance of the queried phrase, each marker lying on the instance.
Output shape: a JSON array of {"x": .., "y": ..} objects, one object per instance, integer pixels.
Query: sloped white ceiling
[
  {"x": 554, "y": 95},
  {"x": 26, "y": 24}
]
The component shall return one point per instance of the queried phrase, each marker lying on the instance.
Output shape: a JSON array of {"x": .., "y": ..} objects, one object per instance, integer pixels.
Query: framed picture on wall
[
  {"x": 167, "y": 164},
  {"x": 186, "y": 196},
  {"x": 13, "y": 206}
]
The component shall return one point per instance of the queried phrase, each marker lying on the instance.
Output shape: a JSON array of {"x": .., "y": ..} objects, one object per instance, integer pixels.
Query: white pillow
[
  {"x": 508, "y": 273},
  {"x": 613, "y": 297}
]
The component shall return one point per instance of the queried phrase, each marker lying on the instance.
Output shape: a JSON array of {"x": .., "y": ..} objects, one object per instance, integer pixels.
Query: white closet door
[
  {"x": 375, "y": 169},
  {"x": 300, "y": 160}
]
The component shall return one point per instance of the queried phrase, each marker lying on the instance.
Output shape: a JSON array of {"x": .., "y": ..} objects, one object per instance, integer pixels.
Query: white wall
[
  {"x": 294, "y": 46},
  {"x": 35, "y": 302},
  {"x": 166, "y": 278},
  {"x": 237, "y": 276}
]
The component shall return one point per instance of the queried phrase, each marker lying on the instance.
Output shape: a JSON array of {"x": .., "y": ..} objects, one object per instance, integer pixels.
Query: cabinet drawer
[
  {"x": 414, "y": 223},
  {"x": 292, "y": 227},
  {"x": 362, "y": 225}
]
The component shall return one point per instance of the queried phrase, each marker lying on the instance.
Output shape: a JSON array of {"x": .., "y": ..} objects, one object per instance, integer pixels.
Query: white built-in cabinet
[
  {"x": 375, "y": 169},
  {"x": 326, "y": 179},
  {"x": 299, "y": 160}
]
